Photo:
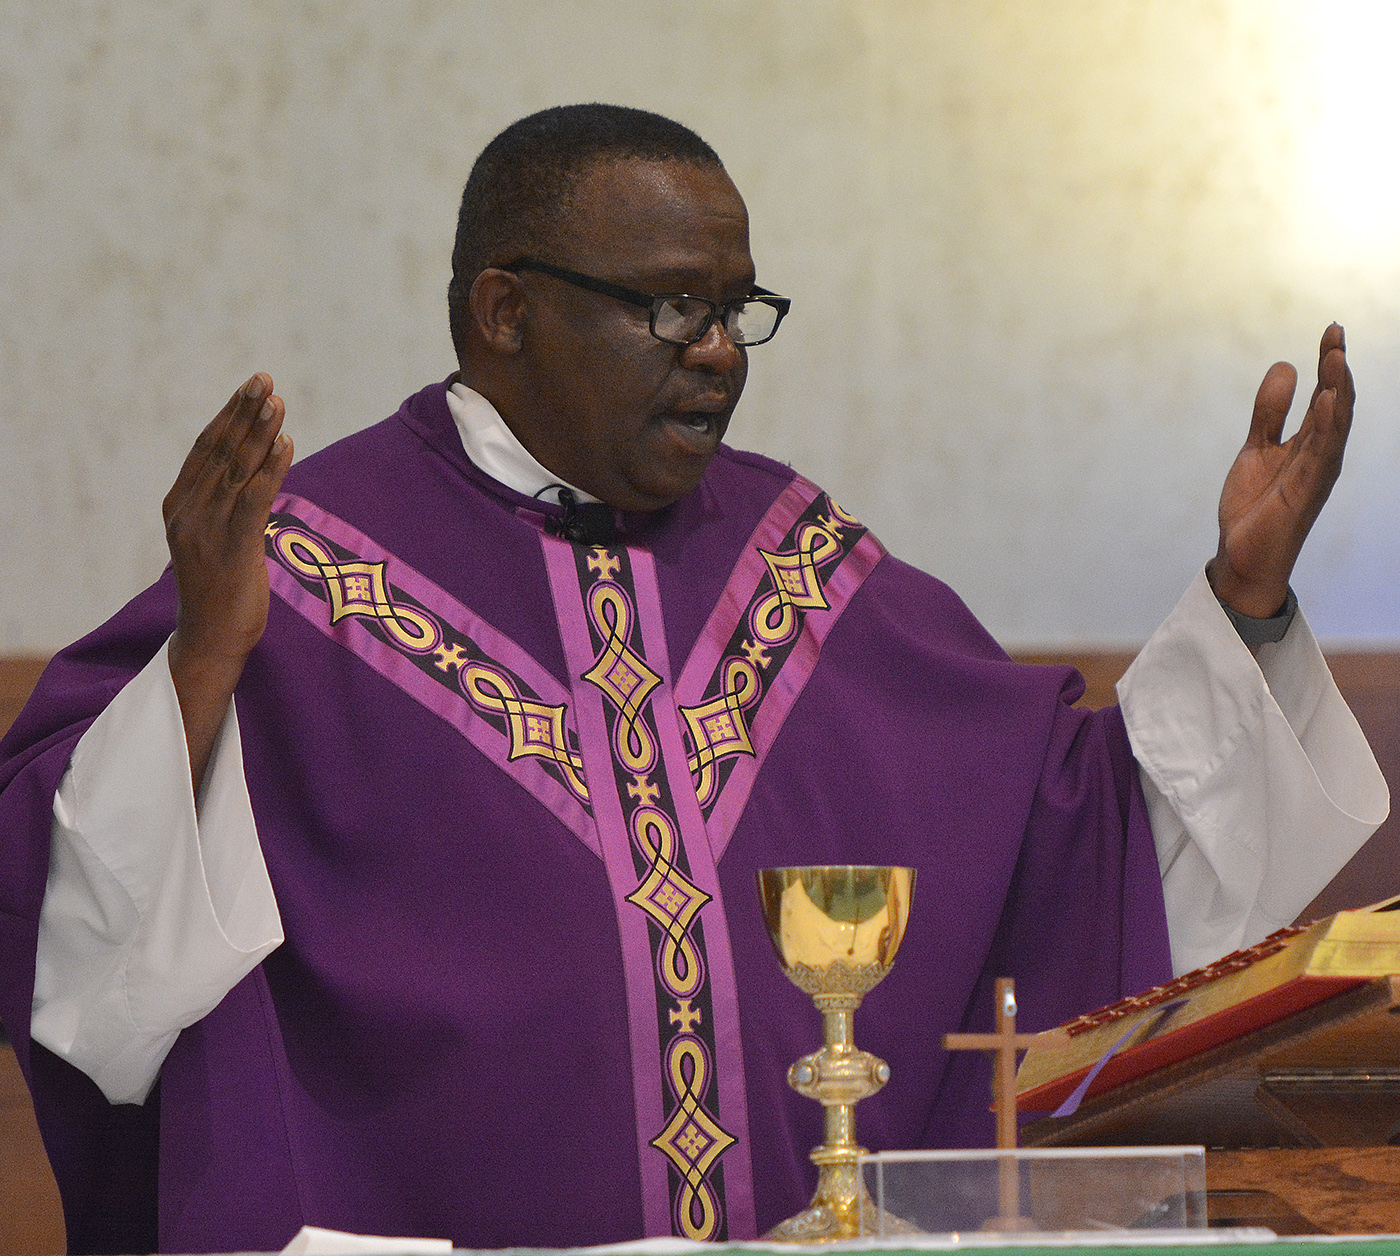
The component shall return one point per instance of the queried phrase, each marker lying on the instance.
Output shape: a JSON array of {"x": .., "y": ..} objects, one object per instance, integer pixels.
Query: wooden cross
[{"x": 1005, "y": 1042}]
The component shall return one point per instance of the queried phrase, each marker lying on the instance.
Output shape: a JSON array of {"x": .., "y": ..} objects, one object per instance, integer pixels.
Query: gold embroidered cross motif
[
  {"x": 684, "y": 1016},
  {"x": 604, "y": 565},
  {"x": 756, "y": 654},
  {"x": 449, "y": 656},
  {"x": 641, "y": 789}
]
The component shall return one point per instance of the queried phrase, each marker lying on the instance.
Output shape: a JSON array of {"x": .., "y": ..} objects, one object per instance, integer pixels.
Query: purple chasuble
[{"x": 512, "y": 793}]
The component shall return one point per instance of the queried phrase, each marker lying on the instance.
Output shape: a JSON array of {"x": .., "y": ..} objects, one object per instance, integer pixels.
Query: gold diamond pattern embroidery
[
  {"x": 623, "y": 676},
  {"x": 717, "y": 728},
  {"x": 692, "y": 1140},
  {"x": 536, "y": 728},
  {"x": 357, "y": 588},
  {"x": 668, "y": 896}
]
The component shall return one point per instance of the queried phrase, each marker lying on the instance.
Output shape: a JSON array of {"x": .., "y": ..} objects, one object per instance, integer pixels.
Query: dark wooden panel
[
  {"x": 17, "y": 677},
  {"x": 31, "y": 1221},
  {"x": 1326, "y": 1190}
]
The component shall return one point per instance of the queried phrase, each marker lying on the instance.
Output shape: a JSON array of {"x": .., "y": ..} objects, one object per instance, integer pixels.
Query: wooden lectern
[{"x": 1299, "y": 1111}]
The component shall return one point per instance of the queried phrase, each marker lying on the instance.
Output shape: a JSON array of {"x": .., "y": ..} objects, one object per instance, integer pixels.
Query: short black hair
[{"x": 522, "y": 183}]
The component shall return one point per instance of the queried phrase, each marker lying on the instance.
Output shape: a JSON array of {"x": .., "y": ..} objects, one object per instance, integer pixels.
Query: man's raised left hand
[{"x": 1276, "y": 489}]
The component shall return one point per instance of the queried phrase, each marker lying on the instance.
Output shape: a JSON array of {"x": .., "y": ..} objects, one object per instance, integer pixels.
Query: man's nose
[{"x": 714, "y": 351}]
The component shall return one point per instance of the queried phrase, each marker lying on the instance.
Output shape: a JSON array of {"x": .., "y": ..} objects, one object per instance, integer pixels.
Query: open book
[{"x": 1289, "y": 971}]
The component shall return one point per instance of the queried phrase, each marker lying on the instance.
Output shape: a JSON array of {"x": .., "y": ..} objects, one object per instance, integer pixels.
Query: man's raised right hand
[{"x": 214, "y": 520}]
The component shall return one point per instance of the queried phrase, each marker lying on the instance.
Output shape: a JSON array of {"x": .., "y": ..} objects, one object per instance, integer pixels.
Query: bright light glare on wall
[{"x": 1352, "y": 157}]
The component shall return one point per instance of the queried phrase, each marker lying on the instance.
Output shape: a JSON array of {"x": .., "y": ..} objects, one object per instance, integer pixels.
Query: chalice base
[
  {"x": 820, "y": 1224},
  {"x": 841, "y": 1209}
]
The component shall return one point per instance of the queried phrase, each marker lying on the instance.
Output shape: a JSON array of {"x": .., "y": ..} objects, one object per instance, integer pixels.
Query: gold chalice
[{"x": 836, "y": 930}]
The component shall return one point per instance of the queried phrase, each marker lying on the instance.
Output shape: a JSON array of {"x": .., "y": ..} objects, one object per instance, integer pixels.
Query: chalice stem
[
  {"x": 839, "y": 1187},
  {"x": 840, "y": 1126},
  {"x": 840, "y": 1040},
  {"x": 836, "y": 1026}
]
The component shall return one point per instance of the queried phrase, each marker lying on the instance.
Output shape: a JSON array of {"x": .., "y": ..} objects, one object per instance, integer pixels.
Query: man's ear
[{"x": 497, "y": 306}]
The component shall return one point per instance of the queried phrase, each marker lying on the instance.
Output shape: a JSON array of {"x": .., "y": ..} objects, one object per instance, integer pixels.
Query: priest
[{"x": 389, "y": 864}]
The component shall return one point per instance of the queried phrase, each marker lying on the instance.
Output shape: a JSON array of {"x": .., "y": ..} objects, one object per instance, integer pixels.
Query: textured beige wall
[{"x": 1040, "y": 254}]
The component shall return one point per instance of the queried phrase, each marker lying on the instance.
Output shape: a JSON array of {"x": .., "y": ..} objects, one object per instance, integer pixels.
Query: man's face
[{"x": 605, "y": 405}]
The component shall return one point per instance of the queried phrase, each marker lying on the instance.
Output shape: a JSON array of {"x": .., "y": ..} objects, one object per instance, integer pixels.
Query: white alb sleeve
[
  {"x": 1260, "y": 784},
  {"x": 152, "y": 913}
]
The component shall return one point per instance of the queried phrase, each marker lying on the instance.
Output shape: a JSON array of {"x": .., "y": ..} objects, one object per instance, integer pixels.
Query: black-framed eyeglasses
[{"x": 677, "y": 317}]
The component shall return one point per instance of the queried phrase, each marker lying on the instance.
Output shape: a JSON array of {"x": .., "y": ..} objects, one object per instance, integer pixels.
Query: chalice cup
[{"x": 836, "y": 930}]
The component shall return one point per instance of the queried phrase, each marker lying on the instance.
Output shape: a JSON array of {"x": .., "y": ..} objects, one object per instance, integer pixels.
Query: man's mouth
[{"x": 698, "y": 430}]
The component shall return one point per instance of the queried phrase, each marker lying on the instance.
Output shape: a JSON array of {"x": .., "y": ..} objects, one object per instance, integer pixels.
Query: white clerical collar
[{"x": 493, "y": 447}]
